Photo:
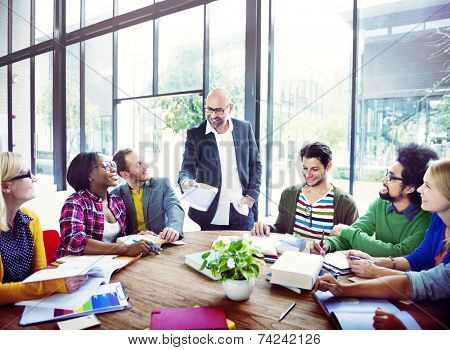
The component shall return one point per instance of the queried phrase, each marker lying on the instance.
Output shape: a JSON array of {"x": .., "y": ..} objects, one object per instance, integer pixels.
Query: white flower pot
[{"x": 238, "y": 290}]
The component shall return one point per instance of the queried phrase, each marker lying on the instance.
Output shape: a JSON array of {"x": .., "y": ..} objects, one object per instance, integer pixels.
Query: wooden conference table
[{"x": 165, "y": 281}]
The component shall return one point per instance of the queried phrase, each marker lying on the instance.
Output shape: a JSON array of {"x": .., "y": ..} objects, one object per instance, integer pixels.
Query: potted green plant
[{"x": 236, "y": 265}]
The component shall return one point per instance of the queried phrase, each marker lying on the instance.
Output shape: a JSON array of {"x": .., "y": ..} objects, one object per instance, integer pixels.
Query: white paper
[
  {"x": 67, "y": 301},
  {"x": 200, "y": 197},
  {"x": 338, "y": 260}
]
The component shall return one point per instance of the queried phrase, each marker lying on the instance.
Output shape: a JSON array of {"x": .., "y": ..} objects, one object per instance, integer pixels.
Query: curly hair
[{"x": 414, "y": 159}]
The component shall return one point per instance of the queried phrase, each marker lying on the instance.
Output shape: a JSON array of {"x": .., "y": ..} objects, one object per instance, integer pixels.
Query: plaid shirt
[{"x": 82, "y": 218}]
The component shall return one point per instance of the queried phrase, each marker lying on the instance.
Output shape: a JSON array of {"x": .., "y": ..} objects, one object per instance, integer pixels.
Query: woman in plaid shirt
[{"x": 91, "y": 218}]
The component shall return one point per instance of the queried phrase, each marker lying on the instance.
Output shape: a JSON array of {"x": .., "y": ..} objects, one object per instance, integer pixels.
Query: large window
[
  {"x": 98, "y": 99},
  {"x": 131, "y": 5},
  {"x": 44, "y": 20},
  {"x": 21, "y": 110},
  {"x": 21, "y": 24},
  {"x": 135, "y": 61},
  {"x": 181, "y": 51},
  {"x": 98, "y": 10},
  {"x": 3, "y": 28},
  {"x": 3, "y": 110},
  {"x": 312, "y": 71},
  {"x": 73, "y": 101},
  {"x": 404, "y": 91},
  {"x": 156, "y": 128},
  {"x": 227, "y": 50},
  {"x": 44, "y": 116},
  {"x": 73, "y": 8}
]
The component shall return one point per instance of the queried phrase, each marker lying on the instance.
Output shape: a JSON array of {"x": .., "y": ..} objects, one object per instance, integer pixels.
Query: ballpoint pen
[
  {"x": 154, "y": 247},
  {"x": 283, "y": 315},
  {"x": 321, "y": 240}
]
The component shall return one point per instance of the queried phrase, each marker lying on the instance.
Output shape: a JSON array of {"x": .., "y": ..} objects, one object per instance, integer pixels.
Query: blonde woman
[{"x": 21, "y": 241}]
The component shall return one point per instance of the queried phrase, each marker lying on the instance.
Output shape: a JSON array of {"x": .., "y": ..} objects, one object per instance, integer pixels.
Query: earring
[{"x": 89, "y": 179}]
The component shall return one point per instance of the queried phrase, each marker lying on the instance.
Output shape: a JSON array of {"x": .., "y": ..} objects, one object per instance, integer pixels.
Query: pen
[
  {"x": 154, "y": 247},
  {"x": 283, "y": 315},
  {"x": 270, "y": 260},
  {"x": 321, "y": 240}
]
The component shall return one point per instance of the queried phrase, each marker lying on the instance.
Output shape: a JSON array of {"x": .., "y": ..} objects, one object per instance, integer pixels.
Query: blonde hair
[
  {"x": 10, "y": 166},
  {"x": 440, "y": 171}
]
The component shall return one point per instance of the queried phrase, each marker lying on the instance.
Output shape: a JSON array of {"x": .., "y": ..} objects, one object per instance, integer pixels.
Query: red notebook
[{"x": 188, "y": 318}]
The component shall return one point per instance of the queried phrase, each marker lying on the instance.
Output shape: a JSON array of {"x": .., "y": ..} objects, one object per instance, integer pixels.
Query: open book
[
  {"x": 101, "y": 266},
  {"x": 200, "y": 197},
  {"x": 155, "y": 240},
  {"x": 108, "y": 297},
  {"x": 357, "y": 313},
  {"x": 296, "y": 269},
  {"x": 337, "y": 263}
]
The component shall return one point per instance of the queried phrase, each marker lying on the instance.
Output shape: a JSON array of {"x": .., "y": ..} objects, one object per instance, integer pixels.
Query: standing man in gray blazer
[
  {"x": 151, "y": 204},
  {"x": 222, "y": 152}
]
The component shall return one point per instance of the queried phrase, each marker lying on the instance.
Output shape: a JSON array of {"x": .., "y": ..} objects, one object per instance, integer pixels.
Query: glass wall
[
  {"x": 44, "y": 21},
  {"x": 312, "y": 76},
  {"x": 73, "y": 101},
  {"x": 135, "y": 60},
  {"x": 3, "y": 109},
  {"x": 3, "y": 28},
  {"x": 73, "y": 8},
  {"x": 98, "y": 99},
  {"x": 181, "y": 51},
  {"x": 152, "y": 127},
  {"x": 404, "y": 90},
  {"x": 21, "y": 24},
  {"x": 44, "y": 116},
  {"x": 227, "y": 50},
  {"x": 98, "y": 10},
  {"x": 21, "y": 110},
  {"x": 131, "y": 5}
]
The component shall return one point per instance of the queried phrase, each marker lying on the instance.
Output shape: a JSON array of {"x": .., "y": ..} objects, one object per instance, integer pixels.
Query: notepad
[
  {"x": 109, "y": 297},
  {"x": 200, "y": 197},
  {"x": 189, "y": 318},
  {"x": 195, "y": 261},
  {"x": 357, "y": 313}
]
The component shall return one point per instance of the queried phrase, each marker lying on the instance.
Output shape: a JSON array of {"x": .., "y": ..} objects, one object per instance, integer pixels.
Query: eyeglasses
[
  {"x": 390, "y": 176},
  {"x": 24, "y": 176},
  {"x": 107, "y": 165},
  {"x": 219, "y": 111}
]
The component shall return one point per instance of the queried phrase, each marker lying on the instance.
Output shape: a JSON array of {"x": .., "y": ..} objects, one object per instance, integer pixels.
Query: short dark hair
[
  {"x": 79, "y": 170},
  {"x": 414, "y": 160},
  {"x": 317, "y": 150},
  {"x": 119, "y": 158}
]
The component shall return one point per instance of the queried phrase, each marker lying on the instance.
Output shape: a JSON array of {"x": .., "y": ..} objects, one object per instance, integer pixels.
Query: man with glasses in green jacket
[{"x": 394, "y": 224}]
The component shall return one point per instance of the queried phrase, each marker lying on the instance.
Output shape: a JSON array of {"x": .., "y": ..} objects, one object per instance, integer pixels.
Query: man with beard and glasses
[
  {"x": 151, "y": 204},
  {"x": 394, "y": 224},
  {"x": 315, "y": 206}
]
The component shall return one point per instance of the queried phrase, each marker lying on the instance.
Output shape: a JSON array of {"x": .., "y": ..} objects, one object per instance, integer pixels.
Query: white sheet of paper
[
  {"x": 200, "y": 197},
  {"x": 67, "y": 301},
  {"x": 338, "y": 260},
  {"x": 79, "y": 323}
]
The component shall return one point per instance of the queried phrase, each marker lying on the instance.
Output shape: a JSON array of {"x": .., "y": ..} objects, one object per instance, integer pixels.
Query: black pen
[
  {"x": 321, "y": 240},
  {"x": 283, "y": 315}
]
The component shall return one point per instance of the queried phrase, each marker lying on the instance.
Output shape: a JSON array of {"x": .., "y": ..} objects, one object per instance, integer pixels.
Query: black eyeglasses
[
  {"x": 390, "y": 176},
  {"x": 107, "y": 165},
  {"x": 24, "y": 176},
  {"x": 219, "y": 111}
]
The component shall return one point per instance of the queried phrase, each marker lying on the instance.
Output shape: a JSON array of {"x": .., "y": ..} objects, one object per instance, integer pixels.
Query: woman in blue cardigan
[{"x": 435, "y": 247}]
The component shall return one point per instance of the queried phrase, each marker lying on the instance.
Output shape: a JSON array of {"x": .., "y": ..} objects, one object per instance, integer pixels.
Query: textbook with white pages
[
  {"x": 101, "y": 266},
  {"x": 201, "y": 196},
  {"x": 296, "y": 269}
]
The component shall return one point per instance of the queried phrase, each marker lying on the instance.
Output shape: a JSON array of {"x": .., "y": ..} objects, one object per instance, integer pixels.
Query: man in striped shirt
[{"x": 314, "y": 206}]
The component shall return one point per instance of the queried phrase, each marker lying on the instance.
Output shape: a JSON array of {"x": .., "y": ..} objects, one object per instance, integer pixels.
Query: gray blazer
[{"x": 159, "y": 203}]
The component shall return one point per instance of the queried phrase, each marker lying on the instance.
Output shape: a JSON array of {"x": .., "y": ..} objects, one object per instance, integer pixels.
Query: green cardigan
[
  {"x": 345, "y": 209},
  {"x": 381, "y": 234}
]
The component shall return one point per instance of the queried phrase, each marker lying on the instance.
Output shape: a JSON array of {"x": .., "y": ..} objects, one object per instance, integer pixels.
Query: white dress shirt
[{"x": 231, "y": 189}]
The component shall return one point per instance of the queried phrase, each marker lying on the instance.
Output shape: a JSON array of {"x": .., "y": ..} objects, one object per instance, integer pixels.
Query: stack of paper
[
  {"x": 296, "y": 269},
  {"x": 337, "y": 263},
  {"x": 155, "y": 240},
  {"x": 201, "y": 196}
]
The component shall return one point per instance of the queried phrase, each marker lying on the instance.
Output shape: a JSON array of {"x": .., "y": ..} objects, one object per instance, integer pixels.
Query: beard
[{"x": 387, "y": 196}]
